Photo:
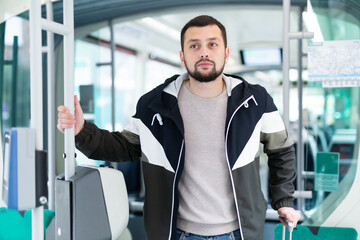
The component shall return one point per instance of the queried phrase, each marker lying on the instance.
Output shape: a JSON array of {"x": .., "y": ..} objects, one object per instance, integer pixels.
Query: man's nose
[{"x": 204, "y": 55}]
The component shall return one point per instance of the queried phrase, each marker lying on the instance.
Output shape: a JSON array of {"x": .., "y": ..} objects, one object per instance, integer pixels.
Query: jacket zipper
[
  {"x": 173, "y": 192},
  {"x": 245, "y": 103}
]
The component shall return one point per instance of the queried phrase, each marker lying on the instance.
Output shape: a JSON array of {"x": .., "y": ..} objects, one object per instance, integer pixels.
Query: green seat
[
  {"x": 14, "y": 226},
  {"x": 302, "y": 232}
]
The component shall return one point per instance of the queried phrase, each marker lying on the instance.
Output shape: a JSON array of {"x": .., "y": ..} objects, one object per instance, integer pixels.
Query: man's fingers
[
  {"x": 61, "y": 129},
  {"x": 65, "y": 118},
  {"x": 63, "y": 109},
  {"x": 289, "y": 217},
  {"x": 286, "y": 222},
  {"x": 288, "y": 214},
  {"x": 67, "y": 123},
  {"x": 61, "y": 126},
  {"x": 282, "y": 220},
  {"x": 68, "y": 116}
]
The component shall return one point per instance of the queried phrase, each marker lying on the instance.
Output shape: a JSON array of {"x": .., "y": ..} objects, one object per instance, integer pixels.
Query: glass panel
[
  {"x": 330, "y": 118},
  {"x": 93, "y": 83},
  {"x": 103, "y": 101},
  {"x": 125, "y": 88},
  {"x": 334, "y": 129},
  {"x": 16, "y": 76},
  {"x": 337, "y": 20},
  {"x": 157, "y": 72}
]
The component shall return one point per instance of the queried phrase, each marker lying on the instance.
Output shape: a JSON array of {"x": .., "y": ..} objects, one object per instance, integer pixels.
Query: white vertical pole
[
  {"x": 286, "y": 60},
  {"x": 113, "y": 102},
  {"x": 300, "y": 144},
  {"x": 51, "y": 108},
  {"x": 36, "y": 103},
  {"x": 286, "y": 88},
  {"x": 69, "y": 86}
]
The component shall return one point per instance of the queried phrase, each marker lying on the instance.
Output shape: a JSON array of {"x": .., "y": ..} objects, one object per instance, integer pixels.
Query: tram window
[
  {"x": 335, "y": 122},
  {"x": 125, "y": 87},
  {"x": 93, "y": 82},
  {"x": 261, "y": 56},
  {"x": 157, "y": 72},
  {"x": 15, "y": 79}
]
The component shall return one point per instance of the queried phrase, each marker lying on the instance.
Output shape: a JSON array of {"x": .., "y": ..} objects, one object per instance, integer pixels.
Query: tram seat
[
  {"x": 16, "y": 226},
  {"x": 318, "y": 233},
  {"x": 98, "y": 200}
]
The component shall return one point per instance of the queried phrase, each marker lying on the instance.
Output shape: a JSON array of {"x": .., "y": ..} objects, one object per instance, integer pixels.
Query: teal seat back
[
  {"x": 302, "y": 232},
  {"x": 14, "y": 226}
]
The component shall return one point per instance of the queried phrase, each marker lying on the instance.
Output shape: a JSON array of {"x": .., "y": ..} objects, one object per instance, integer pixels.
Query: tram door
[{"x": 331, "y": 111}]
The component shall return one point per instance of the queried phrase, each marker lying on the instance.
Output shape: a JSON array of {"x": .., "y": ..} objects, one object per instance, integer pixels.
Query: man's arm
[
  {"x": 281, "y": 163},
  {"x": 101, "y": 144},
  {"x": 96, "y": 143},
  {"x": 282, "y": 174},
  {"x": 281, "y": 153}
]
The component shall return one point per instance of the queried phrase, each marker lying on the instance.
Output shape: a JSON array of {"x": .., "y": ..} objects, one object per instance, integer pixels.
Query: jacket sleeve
[
  {"x": 281, "y": 153},
  {"x": 101, "y": 144}
]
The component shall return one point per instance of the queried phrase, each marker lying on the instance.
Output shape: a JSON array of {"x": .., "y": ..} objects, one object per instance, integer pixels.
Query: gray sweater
[{"x": 206, "y": 203}]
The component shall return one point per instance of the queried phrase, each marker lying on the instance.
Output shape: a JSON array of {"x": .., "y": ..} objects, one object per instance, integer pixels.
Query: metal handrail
[{"x": 37, "y": 23}]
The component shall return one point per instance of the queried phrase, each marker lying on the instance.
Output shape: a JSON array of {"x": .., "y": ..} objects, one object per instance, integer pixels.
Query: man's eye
[
  {"x": 193, "y": 46},
  {"x": 213, "y": 44}
]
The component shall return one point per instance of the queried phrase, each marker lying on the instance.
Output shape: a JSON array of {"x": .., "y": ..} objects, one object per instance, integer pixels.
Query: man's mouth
[{"x": 205, "y": 64}]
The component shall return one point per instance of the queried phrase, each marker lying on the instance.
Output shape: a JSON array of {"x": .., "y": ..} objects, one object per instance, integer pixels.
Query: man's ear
[
  {"x": 182, "y": 58},
  {"x": 227, "y": 54}
]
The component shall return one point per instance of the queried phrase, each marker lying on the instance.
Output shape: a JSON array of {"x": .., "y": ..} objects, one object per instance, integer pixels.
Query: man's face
[{"x": 204, "y": 55}]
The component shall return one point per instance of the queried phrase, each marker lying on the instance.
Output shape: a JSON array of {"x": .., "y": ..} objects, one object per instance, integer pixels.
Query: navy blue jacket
[{"x": 156, "y": 134}]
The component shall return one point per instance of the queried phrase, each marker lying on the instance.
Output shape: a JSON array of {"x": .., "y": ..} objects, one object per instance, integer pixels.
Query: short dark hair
[{"x": 202, "y": 21}]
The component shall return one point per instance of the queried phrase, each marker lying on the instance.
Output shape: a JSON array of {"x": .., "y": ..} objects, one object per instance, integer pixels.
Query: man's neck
[{"x": 206, "y": 89}]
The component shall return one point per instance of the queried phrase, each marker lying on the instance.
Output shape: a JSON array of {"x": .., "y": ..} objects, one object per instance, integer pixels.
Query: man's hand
[
  {"x": 289, "y": 214},
  {"x": 67, "y": 120}
]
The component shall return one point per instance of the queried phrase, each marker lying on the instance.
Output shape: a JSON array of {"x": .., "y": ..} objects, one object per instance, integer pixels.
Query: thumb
[
  {"x": 76, "y": 101},
  {"x": 79, "y": 117},
  {"x": 78, "y": 108}
]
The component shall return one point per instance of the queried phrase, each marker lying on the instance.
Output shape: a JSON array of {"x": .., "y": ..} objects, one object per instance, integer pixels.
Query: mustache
[{"x": 202, "y": 60}]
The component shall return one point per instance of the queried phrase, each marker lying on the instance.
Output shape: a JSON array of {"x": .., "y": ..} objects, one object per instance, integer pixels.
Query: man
[{"x": 198, "y": 137}]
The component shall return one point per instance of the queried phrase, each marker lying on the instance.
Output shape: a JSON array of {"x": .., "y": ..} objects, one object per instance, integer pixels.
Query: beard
[{"x": 207, "y": 77}]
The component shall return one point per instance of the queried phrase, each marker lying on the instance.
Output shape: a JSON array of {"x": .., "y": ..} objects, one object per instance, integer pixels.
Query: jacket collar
[
  {"x": 236, "y": 87},
  {"x": 238, "y": 92},
  {"x": 174, "y": 86}
]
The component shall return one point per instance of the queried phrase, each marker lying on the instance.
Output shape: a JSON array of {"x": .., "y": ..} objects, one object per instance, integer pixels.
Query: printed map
[{"x": 335, "y": 63}]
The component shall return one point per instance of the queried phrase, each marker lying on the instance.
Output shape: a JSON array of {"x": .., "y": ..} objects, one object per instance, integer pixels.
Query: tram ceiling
[
  {"x": 91, "y": 11},
  {"x": 88, "y": 12},
  {"x": 249, "y": 30}
]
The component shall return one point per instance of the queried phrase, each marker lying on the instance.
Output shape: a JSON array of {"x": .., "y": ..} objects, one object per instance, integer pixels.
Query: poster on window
[
  {"x": 334, "y": 63},
  {"x": 327, "y": 171}
]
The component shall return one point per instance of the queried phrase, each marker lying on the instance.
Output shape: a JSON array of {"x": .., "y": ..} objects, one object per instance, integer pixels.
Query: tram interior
[{"x": 146, "y": 51}]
